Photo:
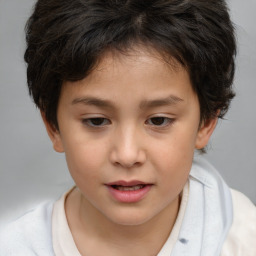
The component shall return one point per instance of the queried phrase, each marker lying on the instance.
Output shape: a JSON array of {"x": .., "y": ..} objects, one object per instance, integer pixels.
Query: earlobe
[
  {"x": 53, "y": 134},
  {"x": 204, "y": 133}
]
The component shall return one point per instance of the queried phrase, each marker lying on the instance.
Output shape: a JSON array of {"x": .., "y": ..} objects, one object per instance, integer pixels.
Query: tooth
[{"x": 126, "y": 188}]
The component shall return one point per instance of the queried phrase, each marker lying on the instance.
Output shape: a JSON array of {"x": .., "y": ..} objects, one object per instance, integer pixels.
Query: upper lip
[{"x": 126, "y": 183}]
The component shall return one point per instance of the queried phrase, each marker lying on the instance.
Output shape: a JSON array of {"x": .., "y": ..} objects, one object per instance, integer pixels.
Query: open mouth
[
  {"x": 128, "y": 192},
  {"x": 128, "y": 188}
]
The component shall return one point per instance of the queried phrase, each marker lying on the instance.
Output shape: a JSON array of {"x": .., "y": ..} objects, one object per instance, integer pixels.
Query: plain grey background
[{"x": 31, "y": 172}]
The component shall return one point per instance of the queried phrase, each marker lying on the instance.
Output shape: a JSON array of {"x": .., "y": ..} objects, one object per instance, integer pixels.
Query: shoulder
[
  {"x": 30, "y": 234},
  {"x": 242, "y": 235}
]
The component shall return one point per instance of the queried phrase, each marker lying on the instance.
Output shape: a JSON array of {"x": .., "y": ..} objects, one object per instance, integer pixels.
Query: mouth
[
  {"x": 128, "y": 188},
  {"x": 128, "y": 192}
]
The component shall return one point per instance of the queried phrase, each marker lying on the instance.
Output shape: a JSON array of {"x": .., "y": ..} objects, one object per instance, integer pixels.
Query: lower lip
[{"x": 131, "y": 196}]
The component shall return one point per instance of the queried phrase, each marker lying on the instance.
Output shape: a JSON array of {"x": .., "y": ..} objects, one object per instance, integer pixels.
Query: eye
[
  {"x": 159, "y": 121},
  {"x": 96, "y": 122}
]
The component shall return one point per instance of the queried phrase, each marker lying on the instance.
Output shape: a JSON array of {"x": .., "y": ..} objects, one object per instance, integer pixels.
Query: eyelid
[
  {"x": 88, "y": 122},
  {"x": 169, "y": 120}
]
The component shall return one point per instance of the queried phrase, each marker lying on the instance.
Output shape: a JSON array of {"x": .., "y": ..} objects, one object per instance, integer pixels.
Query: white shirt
[{"x": 241, "y": 240}]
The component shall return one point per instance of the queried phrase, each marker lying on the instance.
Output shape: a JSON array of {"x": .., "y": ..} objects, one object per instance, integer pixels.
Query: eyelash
[
  {"x": 166, "y": 121},
  {"x": 89, "y": 122},
  {"x": 104, "y": 121}
]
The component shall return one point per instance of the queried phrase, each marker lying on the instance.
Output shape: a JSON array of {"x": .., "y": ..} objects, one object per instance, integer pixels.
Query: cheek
[
  {"x": 84, "y": 159},
  {"x": 174, "y": 156},
  {"x": 175, "y": 164},
  {"x": 177, "y": 148}
]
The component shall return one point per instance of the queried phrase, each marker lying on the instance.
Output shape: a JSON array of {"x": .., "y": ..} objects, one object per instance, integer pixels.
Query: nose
[{"x": 127, "y": 150}]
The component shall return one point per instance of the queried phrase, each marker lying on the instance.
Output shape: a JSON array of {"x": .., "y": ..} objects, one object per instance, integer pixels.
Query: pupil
[
  {"x": 158, "y": 120},
  {"x": 97, "y": 121}
]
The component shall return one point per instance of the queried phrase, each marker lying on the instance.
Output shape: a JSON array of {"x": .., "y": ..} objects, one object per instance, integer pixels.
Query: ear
[
  {"x": 204, "y": 133},
  {"x": 54, "y": 134}
]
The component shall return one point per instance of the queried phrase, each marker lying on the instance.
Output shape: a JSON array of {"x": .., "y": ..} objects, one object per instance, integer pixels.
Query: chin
[{"x": 130, "y": 218}]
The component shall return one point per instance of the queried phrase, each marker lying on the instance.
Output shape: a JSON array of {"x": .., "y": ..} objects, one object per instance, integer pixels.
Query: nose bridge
[{"x": 128, "y": 148}]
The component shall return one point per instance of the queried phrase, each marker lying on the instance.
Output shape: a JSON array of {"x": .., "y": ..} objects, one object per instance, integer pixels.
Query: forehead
[
  {"x": 137, "y": 58},
  {"x": 137, "y": 73}
]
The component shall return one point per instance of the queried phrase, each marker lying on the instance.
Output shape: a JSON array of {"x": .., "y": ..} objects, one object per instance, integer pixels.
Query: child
[{"x": 128, "y": 90}]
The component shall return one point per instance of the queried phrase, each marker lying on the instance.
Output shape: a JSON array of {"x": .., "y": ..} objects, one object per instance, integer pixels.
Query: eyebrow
[
  {"x": 168, "y": 101},
  {"x": 145, "y": 104},
  {"x": 94, "y": 101}
]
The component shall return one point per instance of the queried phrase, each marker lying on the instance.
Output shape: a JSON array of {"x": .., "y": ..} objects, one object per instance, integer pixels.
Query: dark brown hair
[{"x": 66, "y": 39}]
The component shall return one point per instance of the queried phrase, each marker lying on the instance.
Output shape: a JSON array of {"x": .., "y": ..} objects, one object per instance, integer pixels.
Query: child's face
[{"x": 132, "y": 123}]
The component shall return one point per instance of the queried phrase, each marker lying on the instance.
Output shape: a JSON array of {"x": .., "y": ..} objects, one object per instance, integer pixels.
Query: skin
[{"x": 128, "y": 142}]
